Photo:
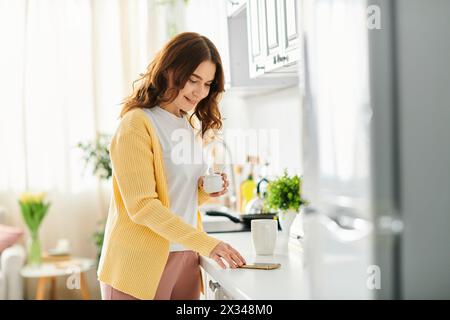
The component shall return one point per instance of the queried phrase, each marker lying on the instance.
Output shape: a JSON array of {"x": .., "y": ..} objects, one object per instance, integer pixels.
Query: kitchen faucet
[{"x": 231, "y": 196}]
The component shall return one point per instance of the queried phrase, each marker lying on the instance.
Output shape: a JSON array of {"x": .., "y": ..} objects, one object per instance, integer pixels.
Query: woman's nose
[
  {"x": 205, "y": 91},
  {"x": 197, "y": 91},
  {"x": 200, "y": 92}
]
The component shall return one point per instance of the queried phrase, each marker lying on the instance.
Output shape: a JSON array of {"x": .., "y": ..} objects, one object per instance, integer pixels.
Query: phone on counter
[{"x": 261, "y": 266}]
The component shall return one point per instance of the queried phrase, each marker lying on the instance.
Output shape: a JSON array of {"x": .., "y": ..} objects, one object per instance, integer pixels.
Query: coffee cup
[
  {"x": 264, "y": 235},
  {"x": 212, "y": 183},
  {"x": 63, "y": 245}
]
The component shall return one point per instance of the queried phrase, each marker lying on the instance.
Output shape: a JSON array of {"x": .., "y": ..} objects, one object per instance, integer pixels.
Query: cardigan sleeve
[
  {"x": 202, "y": 196},
  {"x": 132, "y": 162}
]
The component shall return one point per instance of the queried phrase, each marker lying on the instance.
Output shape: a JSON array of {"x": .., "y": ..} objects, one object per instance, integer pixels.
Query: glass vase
[{"x": 34, "y": 250}]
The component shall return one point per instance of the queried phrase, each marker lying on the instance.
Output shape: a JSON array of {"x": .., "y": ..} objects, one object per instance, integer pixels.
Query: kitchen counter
[{"x": 286, "y": 283}]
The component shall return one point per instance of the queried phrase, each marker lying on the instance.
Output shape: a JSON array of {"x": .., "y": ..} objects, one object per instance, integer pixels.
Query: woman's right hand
[{"x": 229, "y": 254}]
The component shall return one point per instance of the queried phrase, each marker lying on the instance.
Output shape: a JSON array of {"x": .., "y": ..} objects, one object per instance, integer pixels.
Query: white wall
[{"x": 280, "y": 111}]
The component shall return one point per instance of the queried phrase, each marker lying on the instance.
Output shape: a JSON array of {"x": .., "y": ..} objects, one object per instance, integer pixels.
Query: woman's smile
[{"x": 192, "y": 102}]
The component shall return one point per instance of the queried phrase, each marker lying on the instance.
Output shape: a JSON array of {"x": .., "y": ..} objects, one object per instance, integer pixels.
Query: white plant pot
[
  {"x": 297, "y": 225},
  {"x": 286, "y": 219}
]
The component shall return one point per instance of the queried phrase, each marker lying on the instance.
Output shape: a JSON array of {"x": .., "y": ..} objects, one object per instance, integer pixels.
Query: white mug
[
  {"x": 264, "y": 235},
  {"x": 63, "y": 245},
  {"x": 212, "y": 183}
]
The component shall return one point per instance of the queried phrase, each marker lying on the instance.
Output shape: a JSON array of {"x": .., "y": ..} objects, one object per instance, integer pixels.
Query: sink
[
  {"x": 220, "y": 224},
  {"x": 224, "y": 227}
]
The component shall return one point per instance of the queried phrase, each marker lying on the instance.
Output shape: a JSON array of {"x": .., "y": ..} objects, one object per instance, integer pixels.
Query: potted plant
[
  {"x": 284, "y": 195},
  {"x": 34, "y": 208},
  {"x": 96, "y": 155}
]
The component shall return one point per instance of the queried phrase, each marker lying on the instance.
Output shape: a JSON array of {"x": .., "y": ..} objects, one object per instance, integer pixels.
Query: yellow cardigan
[{"x": 140, "y": 223}]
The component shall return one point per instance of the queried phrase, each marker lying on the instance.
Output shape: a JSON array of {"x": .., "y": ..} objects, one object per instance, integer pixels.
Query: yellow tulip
[
  {"x": 41, "y": 196},
  {"x": 28, "y": 197},
  {"x": 25, "y": 197}
]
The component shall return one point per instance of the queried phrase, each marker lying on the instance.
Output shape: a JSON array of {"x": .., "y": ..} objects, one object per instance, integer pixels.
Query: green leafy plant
[
  {"x": 34, "y": 208},
  {"x": 172, "y": 22},
  {"x": 96, "y": 154},
  {"x": 98, "y": 237},
  {"x": 284, "y": 193}
]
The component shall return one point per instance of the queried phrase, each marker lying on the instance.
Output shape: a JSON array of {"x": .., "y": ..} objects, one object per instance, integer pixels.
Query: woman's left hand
[{"x": 225, "y": 186}]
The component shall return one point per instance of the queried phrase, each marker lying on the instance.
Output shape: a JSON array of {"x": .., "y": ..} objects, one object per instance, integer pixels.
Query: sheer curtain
[{"x": 65, "y": 67}]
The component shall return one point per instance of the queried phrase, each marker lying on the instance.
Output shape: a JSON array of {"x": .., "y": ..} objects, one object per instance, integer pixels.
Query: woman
[{"x": 153, "y": 235}]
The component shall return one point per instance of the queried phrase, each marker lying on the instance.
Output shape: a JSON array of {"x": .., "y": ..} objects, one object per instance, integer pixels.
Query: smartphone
[{"x": 262, "y": 266}]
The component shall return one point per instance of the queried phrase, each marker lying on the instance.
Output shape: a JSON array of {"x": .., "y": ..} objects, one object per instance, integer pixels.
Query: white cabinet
[
  {"x": 225, "y": 23},
  {"x": 235, "y": 6},
  {"x": 213, "y": 289},
  {"x": 274, "y": 32},
  {"x": 292, "y": 28},
  {"x": 273, "y": 25},
  {"x": 246, "y": 53},
  {"x": 255, "y": 33}
]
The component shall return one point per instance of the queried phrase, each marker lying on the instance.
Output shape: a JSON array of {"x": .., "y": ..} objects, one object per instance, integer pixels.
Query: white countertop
[{"x": 286, "y": 283}]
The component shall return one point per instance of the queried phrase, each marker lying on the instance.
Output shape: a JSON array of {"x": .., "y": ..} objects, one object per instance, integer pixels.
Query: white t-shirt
[{"x": 183, "y": 163}]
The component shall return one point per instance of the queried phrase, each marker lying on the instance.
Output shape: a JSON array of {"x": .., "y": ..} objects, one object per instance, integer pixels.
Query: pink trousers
[{"x": 180, "y": 280}]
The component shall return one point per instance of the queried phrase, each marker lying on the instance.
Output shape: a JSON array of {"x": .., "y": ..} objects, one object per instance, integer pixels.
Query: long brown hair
[{"x": 181, "y": 55}]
